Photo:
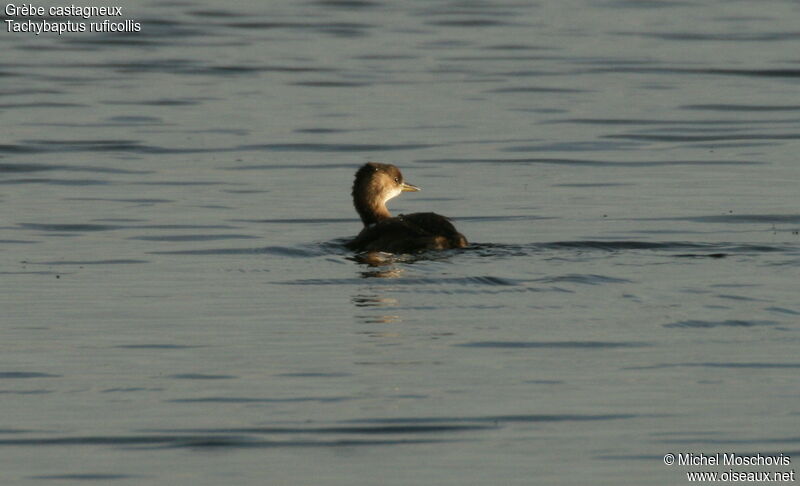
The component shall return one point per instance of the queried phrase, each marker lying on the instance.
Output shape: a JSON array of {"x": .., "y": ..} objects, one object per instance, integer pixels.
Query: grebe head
[{"x": 374, "y": 185}]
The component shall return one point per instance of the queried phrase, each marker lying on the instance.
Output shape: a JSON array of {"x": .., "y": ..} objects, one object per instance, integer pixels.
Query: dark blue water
[{"x": 177, "y": 306}]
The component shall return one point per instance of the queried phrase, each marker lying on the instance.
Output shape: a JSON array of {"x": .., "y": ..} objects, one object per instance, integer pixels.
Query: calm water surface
[{"x": 177, "y": 308}]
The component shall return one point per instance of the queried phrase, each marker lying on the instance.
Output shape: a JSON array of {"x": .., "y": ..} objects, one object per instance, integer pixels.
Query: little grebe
[{"x": 408, "y": 233}]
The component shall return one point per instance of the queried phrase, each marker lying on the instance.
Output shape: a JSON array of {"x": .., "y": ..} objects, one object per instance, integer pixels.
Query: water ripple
[
  {"x": 18, "y": 167},
  {"x": 587, "y": 162},
  {"x": 87, "y": 477},
  {"x": 413, "y": 281},
  {"x": 698, "y": 324},
  {"x": 204, "y": 441},
  {"x": 736, "y": 107},
  {"x": 765, "y": 73},
  {"x": 134, "y": 146},
  {"x": 259, "y": 400},
  {"x": 713, "y": 37},
  {"x": 284, "y": 251},
  {"x": 734, "y": 365},
  {"x": 200, "y": 376},
  {"x": 346, "y": 4},
  {"x": 704, "y": 138},
  {"x": 554, "y": 344},
  {"x": 735, "y": 219},
  {"x": 523, "y": 418},
  {"x": 583, "y": 279},
  {"x": 87, "y": 262},
  {"x": 183, "y": 238},
  {"x": 25, "y": 375},
  {"x": 391, "y": 429}
]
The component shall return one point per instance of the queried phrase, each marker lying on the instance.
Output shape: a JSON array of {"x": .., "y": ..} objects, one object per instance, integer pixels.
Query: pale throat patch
[{"x": 394, "y": 193}]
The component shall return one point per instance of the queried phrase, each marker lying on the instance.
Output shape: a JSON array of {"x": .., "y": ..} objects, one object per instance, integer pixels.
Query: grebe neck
[{"x": 371, "y": 209}]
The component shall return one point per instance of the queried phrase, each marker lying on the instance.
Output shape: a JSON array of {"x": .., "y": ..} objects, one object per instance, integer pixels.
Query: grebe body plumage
[{"x": 408, "y": 233}]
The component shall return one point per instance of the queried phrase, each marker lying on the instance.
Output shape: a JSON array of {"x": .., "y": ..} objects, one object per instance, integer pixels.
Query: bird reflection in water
[
  {"x": 376, "y": 301},
  {"x": 381, "y": 265}
]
